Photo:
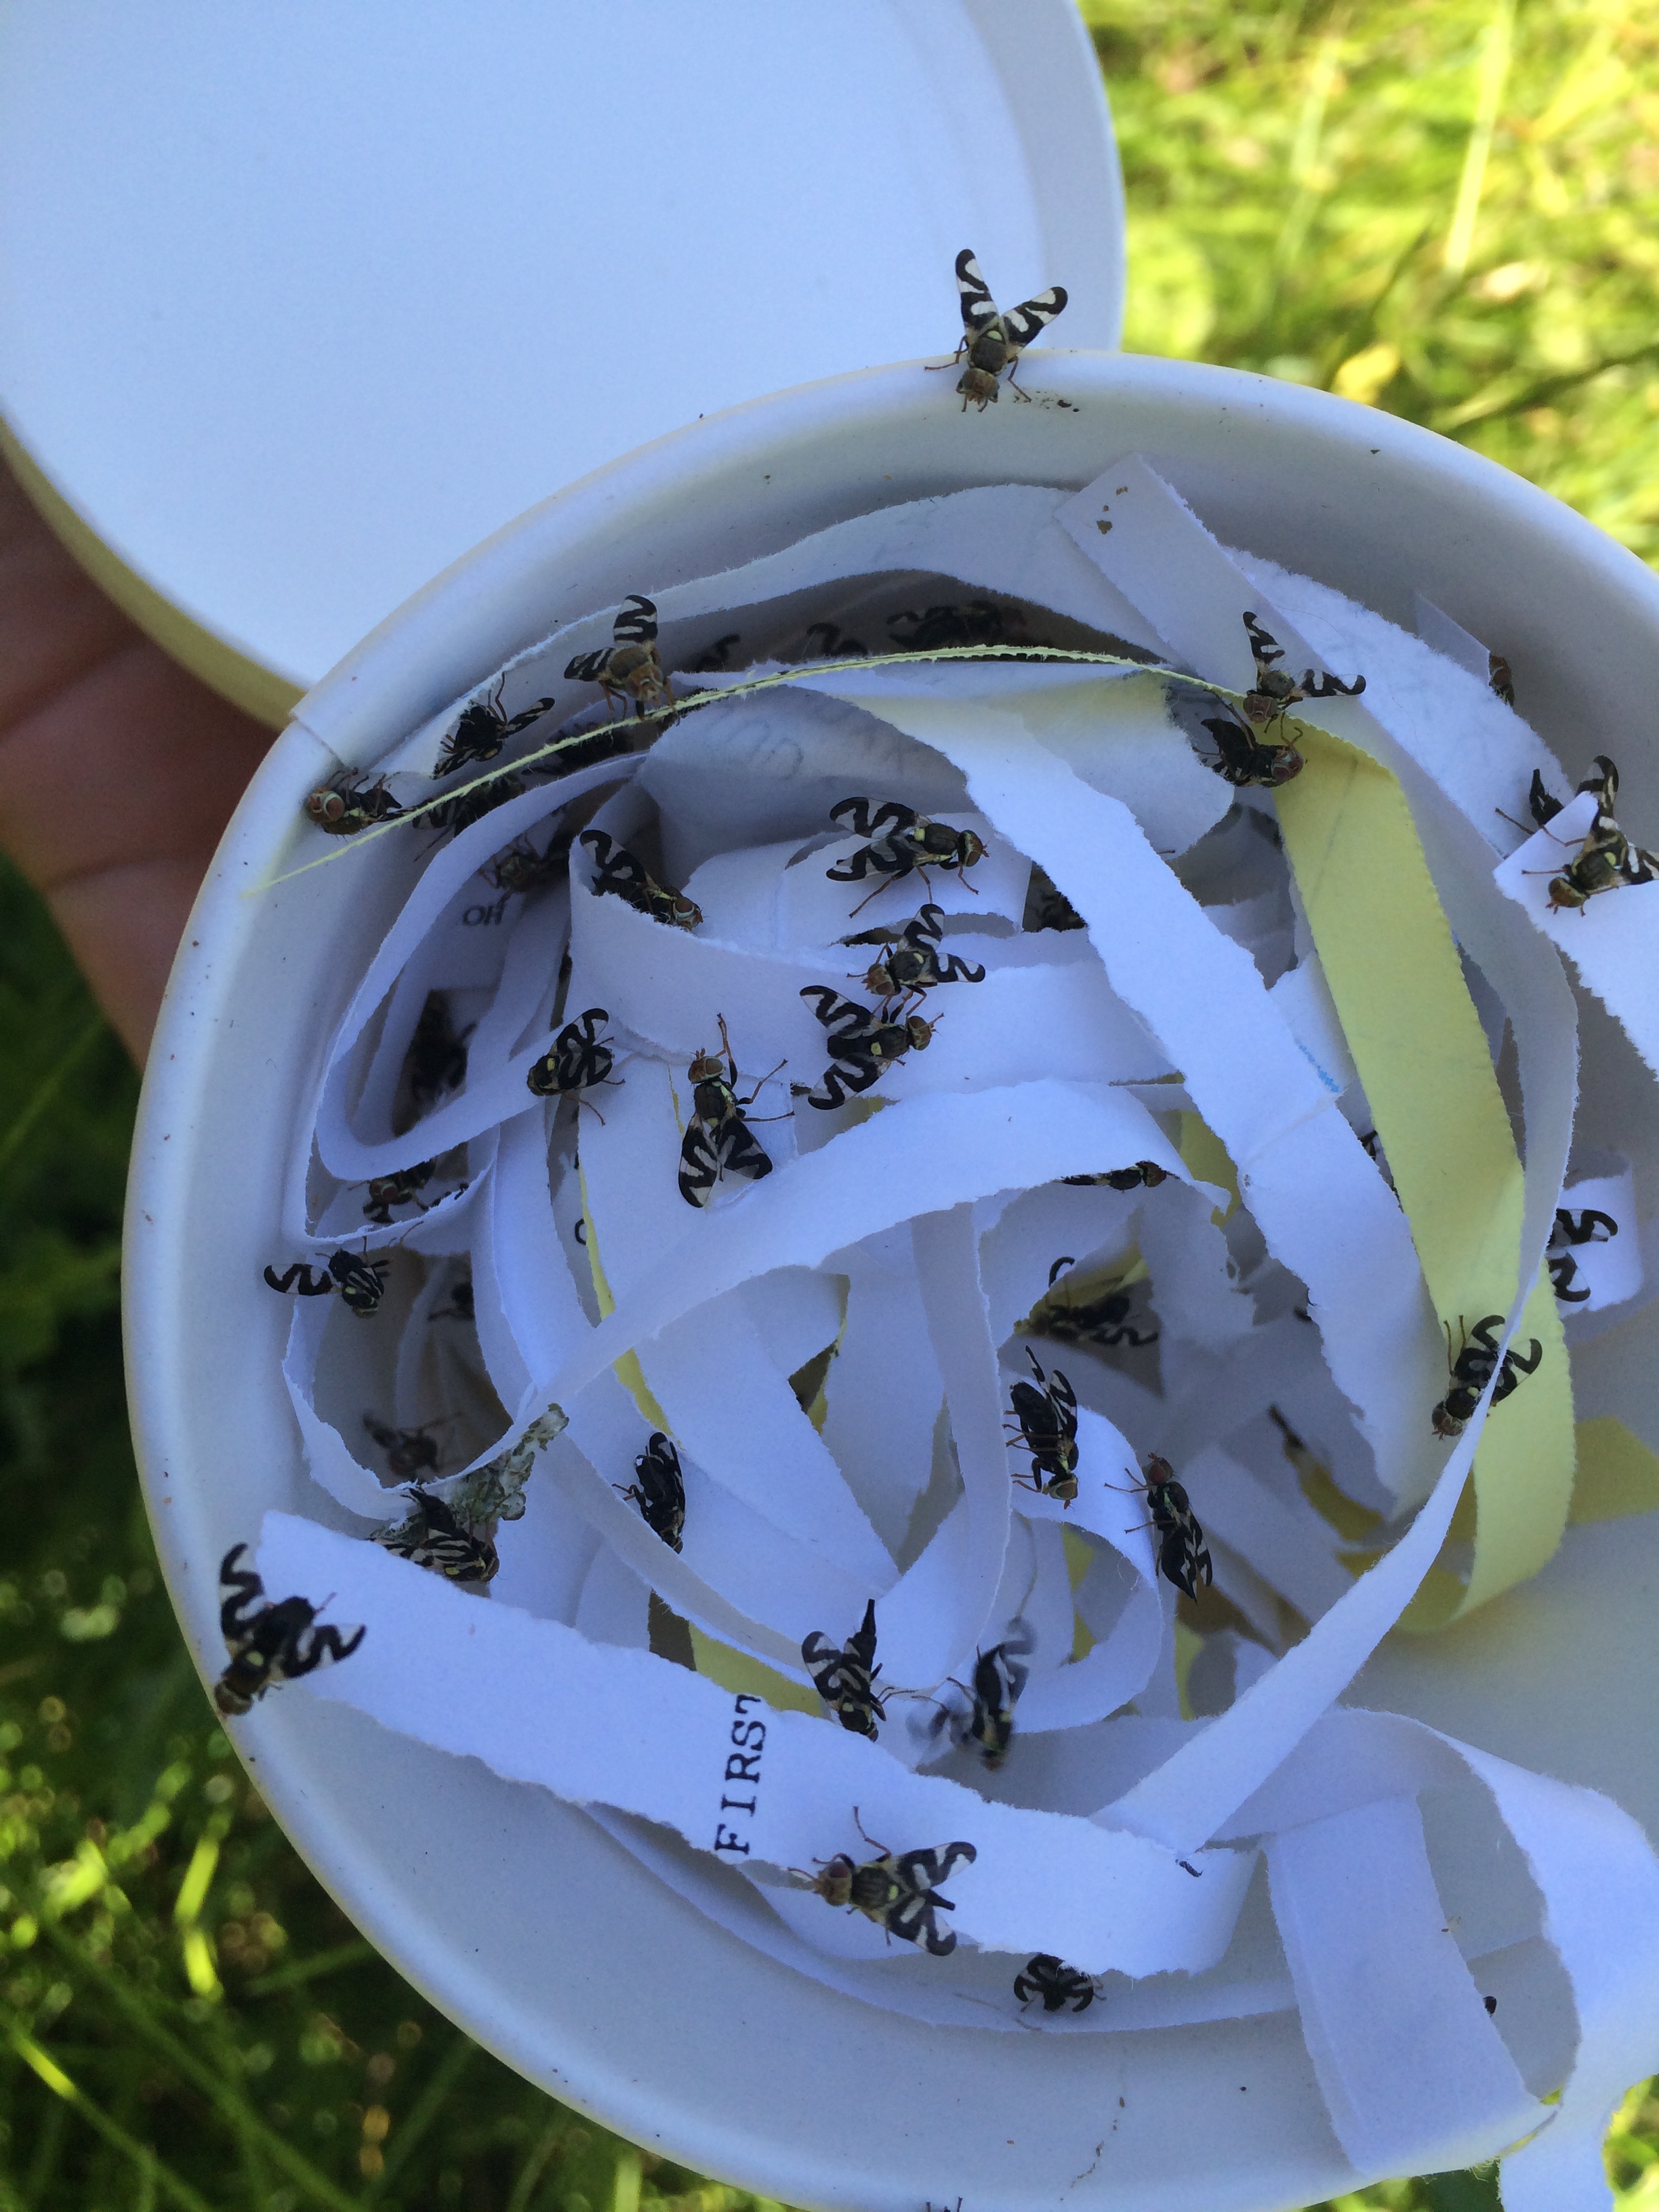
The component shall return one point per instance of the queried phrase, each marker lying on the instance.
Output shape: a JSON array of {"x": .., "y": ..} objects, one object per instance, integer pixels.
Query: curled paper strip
[{"x": 1021, "y": 1204}]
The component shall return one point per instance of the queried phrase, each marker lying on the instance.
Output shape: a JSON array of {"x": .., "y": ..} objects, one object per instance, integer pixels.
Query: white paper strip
[
  {"x": 1400, "y": 2039},
  {"x": 1317, "y": 1197},
  {"x": 1196, "y": 594},
  {"x": 656, "y": 1740}
]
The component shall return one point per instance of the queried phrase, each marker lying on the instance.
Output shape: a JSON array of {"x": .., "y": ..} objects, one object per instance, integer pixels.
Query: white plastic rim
[
  {"x": 297, "y": 304},
  {"x": 512, "y": 1911}
]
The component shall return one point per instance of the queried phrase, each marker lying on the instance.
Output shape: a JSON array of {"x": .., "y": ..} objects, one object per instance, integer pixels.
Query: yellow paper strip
[
  {"x": 1079, "y": 1558},
  {"x": 1188, "y": 1645},
  {"x": 629, "y": 1373},
  {"x": 1207, "y": 1159},
  {"x": 745, "y": 1677},
  {"x": 1618, "y": 1475},
  {"x": 1393, "y": 971}
]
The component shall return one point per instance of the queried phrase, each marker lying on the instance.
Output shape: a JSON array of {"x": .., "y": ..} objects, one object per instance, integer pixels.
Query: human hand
[{"x": 119, "y": 769}]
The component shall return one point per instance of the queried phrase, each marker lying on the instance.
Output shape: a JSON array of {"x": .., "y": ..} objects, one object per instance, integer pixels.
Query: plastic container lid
[{"x": 299, "y": 306}]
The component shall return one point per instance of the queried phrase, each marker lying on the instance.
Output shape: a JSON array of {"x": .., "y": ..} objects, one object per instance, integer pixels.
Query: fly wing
[
  {"x": 862, "y": 1641},
  {"x": 1265, "y": 648},
  {"x": 823, "y": 1662},
  {"x": 925, "y": 1870},
  {"x": 239, "y": 1589},
  {"x": 659, "y": 1465},
  {"x": 700, "y": 1166},
  {"x": 739, "y": 1152},
  {"x": 477, "y": 736},
  {"x": 978, "y": 308},
  {"x": 315, "y": 1647},
  {"x": 1234, "y": 743},
  {"x": 1022, "y": 324},
  {"x": 852, "y": 1072},
  {"x": 940, "y": 1942},
  {"x": 1032, "y": 1409},
  {"x": 1606, "y": 785},
  {"x": 529, "y": 714},
  {"x": 637, "y": 621},
  {"x": 912, "y": 1921},
  {"x": 1017, "y": 1646},
  {"x": 706, "y": 1155},
  {"x": 614, "y": 865},
  {"x": 949, "y": 1716},
  {"x": 836, "y": 1012},
  {"x": 1542, "y": 801}
]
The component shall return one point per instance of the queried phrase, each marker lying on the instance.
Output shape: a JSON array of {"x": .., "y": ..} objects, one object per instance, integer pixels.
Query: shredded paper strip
[{"x": 1241, "y": 1109}]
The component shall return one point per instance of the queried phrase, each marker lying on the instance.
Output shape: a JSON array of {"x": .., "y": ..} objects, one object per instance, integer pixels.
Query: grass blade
[
  {"x": 47, "y": 1089},
  {"x": 156, "y": 2173},
  {"x": 227, "y": 2099},
  {"x": 309, "y": 1970}
]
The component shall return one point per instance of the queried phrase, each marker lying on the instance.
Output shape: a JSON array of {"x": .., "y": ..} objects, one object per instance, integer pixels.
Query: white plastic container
[{"x": 512, "y": 1911}]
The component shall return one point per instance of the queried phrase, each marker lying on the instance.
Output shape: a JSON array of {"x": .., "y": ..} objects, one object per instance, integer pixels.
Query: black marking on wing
[
  {"x": 637, "y": 621},
  {"x": 1022, "y": 324},
  {"x": 978, "y": 308},
  {"x": 911, "y": 1920},
  {"x": 926, "y": 1869},
  {"x": 706, "y": 1155},
  {"x": 240, "y": 1589}
]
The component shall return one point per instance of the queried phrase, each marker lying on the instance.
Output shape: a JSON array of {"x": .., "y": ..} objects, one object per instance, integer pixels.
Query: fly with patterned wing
[
  {"x": 360, "y": 1280},
  {"x": 999, "y": 1678},
  {"x": 1470, "y": 1370},
  {"x": 578, "y": 1060},
  {"x": 992, "y": 339},
  {"x": 1183, "y": 1558},
  {"x": 844, "y": 1674},
  {"x": 863, "y": 1044},
  {"x": 269, "y": 1644},
  {"x": 410, "y": 1453},
  {"x": 1071, "y": 1312},
  {"x": 659, "y": 1489},
  {"x": 910, "y": 965},
  {"x": 1045, "y": 1418},
  {"x": 902, "y": 842},
  {"x": 898, "y": 1890},
  {"x": 1058, "y": 1984},
  {"x": 624, "y": 875},
  {"x": 629, "y": 667},
  {"x": 719, "y": 1142},
  {"x": 344, "y": 808},
  {"x": 1605, "y": 859},
  {"x": 482, "y": 729},
  {"x": 432, "y": 1537}
]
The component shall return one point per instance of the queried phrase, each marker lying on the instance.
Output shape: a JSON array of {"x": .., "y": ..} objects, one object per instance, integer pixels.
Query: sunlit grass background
[{"x": 1446, "y": 208}]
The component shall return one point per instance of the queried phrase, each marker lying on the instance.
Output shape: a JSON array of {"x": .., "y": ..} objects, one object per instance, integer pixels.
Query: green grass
[
  {"x": 1448, "y": 210},
  {"x": 1445, "y": 206}
]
